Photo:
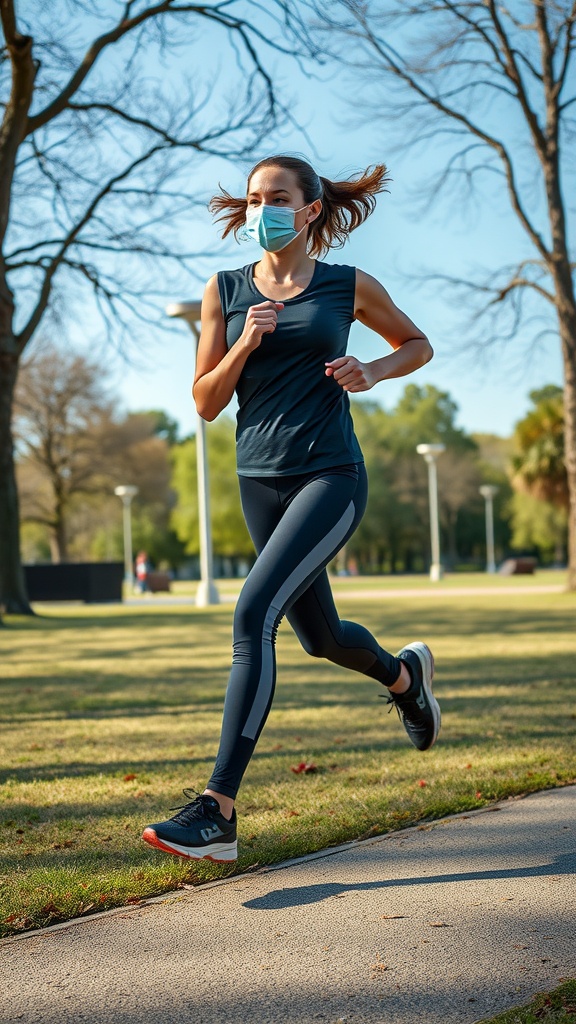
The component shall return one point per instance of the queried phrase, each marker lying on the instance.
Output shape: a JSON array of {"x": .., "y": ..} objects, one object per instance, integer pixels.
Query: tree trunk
[
  {"x": 567, "y": 319},
  {"x": 13, "y": 596},
  {"x": 58, "y": 537}
]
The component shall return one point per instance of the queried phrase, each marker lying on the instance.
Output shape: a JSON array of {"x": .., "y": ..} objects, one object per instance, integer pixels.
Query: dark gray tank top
[{"x": 292, "y": 418}]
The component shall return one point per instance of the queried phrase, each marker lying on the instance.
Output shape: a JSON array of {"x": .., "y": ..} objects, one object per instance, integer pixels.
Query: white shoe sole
[{"x": 221, "y": 853}]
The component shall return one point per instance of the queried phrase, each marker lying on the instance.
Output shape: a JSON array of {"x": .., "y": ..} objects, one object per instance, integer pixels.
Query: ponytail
[{"x": 345, "y": 204}]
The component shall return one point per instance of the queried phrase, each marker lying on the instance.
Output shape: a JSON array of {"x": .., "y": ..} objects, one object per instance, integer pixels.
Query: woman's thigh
[{"x": 315, "y": 520}]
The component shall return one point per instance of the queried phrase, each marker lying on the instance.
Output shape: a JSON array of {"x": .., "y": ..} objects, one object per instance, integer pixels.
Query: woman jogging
[{"x": 276, "y": 332}]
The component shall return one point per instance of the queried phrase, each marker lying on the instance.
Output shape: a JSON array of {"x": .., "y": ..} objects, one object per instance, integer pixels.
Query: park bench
[
  {"x": 525, "y": 565},
  {"x": 158, "y": 581}
]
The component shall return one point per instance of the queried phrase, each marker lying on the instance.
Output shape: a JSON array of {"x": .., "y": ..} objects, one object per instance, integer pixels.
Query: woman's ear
[{"x": 315, "y": 209}]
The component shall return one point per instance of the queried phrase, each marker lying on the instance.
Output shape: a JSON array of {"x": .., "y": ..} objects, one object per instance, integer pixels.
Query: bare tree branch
[
  {"x": 513, "y": 73},
  {"x": 568, "y": 48},
  {"x": 442, "y": 107},
  {"x": 217, "y": 13},
  {"x": 26, "y": 333}
]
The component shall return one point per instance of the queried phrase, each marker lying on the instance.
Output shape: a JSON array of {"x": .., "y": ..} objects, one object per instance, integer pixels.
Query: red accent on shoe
[{"x": 149, "y": 836}]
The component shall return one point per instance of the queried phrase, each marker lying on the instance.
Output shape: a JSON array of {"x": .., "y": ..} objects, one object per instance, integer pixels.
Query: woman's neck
[{"x": 283, "y": 267}]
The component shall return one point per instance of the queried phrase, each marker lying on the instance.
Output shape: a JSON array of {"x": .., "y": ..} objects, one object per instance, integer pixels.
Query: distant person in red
[{"x": 142, "y": 572}]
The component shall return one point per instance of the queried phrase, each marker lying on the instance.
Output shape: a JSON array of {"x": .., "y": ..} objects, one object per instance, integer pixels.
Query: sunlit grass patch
[
  {"x": 107, "y": 713},
  {"x": 554, "y": 1007}
]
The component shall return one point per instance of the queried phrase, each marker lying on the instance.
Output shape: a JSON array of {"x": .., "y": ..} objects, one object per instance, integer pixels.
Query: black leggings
[{"x": 297, "y": 524}]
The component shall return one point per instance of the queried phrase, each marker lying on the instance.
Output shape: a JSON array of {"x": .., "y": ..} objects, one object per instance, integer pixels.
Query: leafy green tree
[
  {"x": 539, "y": 465},
  {"x": 162, "y": 425},
  {"x": 394, "y": 533},
  {"x": 379, "y": 541},
  {"x": 230, "y": 537},
  {"x": 539, "y": 525},
  {"x": 540, "y": 505}
]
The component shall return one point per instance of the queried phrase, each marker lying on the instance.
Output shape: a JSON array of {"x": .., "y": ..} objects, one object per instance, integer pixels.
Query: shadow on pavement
[{"x": 304, "y": 894}]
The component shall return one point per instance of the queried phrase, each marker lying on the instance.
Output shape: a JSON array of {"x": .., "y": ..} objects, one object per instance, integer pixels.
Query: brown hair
[{"x": 345, "y": 204}]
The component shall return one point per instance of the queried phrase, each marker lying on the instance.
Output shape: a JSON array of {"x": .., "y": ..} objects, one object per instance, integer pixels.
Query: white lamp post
[
  {"x": 488, "y": 492},
  {"x": 126, "y": 493},
  {"x": 431, "y": 453},
  {"x": 207, "y": 592}
]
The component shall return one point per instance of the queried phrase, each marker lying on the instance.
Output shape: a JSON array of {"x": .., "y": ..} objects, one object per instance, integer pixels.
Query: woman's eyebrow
[{"x": 274, "y": 192}]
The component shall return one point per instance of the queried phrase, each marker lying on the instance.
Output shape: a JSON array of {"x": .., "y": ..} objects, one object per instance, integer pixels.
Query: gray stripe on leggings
[{"x": 312, "y": 560}]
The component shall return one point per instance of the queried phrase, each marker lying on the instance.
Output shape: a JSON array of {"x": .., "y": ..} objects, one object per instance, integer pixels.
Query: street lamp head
[
  {"x": 430, "y": 451},
  {"x": 488, "y": 491},
  {"x": 127, "y": 491},
  {"x": 189, "y": 311}
]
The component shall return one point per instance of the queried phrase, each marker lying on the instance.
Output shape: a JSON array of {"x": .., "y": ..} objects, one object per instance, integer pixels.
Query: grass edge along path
[
  {"x": 555, "y": 1007},
  {"x": 107, "y": 713}
]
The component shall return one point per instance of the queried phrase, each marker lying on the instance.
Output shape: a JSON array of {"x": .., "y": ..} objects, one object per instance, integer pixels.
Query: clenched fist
[
  {"x": 351, "y": 374},
  {"x": 260, "y": 319}
]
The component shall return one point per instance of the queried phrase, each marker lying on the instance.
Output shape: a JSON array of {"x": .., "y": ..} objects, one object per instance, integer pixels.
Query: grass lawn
[
  {"x": 554, "y": 1007},
  {"x": 108, "y": 712},
  {"x": 452, "y": 581}
]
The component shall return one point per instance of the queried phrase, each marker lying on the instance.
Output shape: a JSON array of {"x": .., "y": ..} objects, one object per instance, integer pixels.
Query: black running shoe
[
  {"x": 199, "y": 831},
  {"x": 417, "y": 708}
]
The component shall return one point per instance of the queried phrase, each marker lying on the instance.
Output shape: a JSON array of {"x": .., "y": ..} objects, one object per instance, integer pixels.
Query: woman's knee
[
  {"x": 252, "y": 619},
  {"x": 319, "y": 646}
]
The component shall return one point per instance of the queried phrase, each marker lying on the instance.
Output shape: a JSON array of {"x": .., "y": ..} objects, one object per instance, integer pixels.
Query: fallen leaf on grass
[
  {"x": 19, "y": 922},
  {"x": 49, "y": 908},
  {"x": 478, "y": 794},
  {"x": 304, "y": 768},
  {"x": 422, "y": 782},
  {"x": 292, "y": 814},
  {"x": 129, "y": 778}
]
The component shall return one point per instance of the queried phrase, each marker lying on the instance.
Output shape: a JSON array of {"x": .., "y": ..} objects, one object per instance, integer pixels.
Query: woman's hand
[
  {"x": 260, "y": 319},
  {"x": 218, "y": 367},
  {"x": 351, "y": 374}
]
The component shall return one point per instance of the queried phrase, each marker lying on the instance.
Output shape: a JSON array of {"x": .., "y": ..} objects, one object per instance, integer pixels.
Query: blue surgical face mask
[{"x": 271, "y": 226}]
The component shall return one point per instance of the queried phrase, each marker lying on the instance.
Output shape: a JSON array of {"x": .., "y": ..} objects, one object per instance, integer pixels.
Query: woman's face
[{"x": 278, "y": 186}]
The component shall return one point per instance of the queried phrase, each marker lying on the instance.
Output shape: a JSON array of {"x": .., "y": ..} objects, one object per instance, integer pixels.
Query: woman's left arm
[{"x": 374, "y": 308}]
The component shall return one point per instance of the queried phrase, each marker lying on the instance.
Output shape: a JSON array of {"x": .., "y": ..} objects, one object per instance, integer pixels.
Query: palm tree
[{"x": 539, "y": 466}]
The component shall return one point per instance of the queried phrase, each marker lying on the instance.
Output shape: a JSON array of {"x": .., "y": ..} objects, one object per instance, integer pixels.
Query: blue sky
[{"x": 489, "y": 384}]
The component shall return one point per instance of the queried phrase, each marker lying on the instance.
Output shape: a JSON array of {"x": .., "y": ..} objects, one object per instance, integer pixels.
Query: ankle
[
  {"x": 404, "y": 681},
  {"x": 226, "y": 802}
]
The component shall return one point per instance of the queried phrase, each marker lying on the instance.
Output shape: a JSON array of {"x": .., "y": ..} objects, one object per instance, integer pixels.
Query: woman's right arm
[{"x": 217, "y": 367}]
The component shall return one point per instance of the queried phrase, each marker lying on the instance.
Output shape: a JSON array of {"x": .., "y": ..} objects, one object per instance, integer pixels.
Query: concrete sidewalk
[{"x": 450, "y": 922}]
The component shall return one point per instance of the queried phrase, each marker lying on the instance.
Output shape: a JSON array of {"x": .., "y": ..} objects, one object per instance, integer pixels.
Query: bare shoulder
[
  {"x": 211, "y": 305},
  {"x": 369, "y": 291}
]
